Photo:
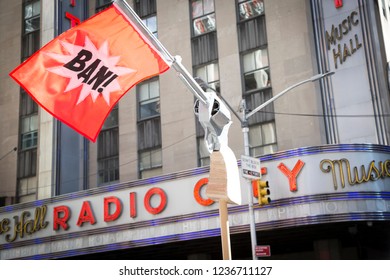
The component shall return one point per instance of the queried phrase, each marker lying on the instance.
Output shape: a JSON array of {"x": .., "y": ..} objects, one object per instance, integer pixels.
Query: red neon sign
[
  {"x": 292, "y": 174},
  {"x": 338, "y": 3}
]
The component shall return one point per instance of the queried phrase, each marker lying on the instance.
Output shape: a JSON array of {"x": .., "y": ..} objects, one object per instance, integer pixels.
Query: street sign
[
  {"x": 250, "y": 167},
  {"x": 263, "y": 251}
]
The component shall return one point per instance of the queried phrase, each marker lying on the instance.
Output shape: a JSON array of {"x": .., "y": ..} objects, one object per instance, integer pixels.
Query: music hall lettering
[
  {"x": 374, "y": 171},
  {"x": 22, "y": 226},
  {"x": 334, "y": 38}
]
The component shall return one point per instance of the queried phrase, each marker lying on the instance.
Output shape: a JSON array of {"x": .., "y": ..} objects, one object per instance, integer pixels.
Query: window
[
  {"x": 262, "y": 139},
  {"x": 251, "y": 8},
  {"x": 203, "y": 16},
  {"x": 108, "y": 170},
  {"x": 31, "y": 28},
  {"x": 108, "y": 139},
  {"x": 27, "y": 105},
  {"x": 27, "y": 163},
  {"x": 27, "y": 157},
  {"x": 253, "y": 100},
  {"x": 204, "y": 36},
  {"x": 151, "y": 24},
  {"x": 256, "y": 78},
  {"x": 108, "y": 150},
  {"x": 252, "y": 34},
  {"x": 204, "y": 58},
  {"x": 149, "y": 100},
  {"x": 149, "y": 128},
  {"x": 146, "y": 10},
  {"x": 150, "y": 163},
  {"x": 256, "y": 70},
  {"x": 32, "y": 13},
  {"x": 210, "y": 74},
  {"x": 102, "y": 4},
  {"x": 29, "y": 132},
  {"x": 149, "y": 134},
  {"x": 28, "y": 110}
]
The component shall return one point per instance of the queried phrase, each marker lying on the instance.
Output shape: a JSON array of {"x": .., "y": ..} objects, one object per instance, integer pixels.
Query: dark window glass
[
  {"x": 256, "y": 75},
  {"x": 204, "y": 49},
  {"x": 252, "y": 34},
  {"x": 145, "y": 8},
  {"x": 27, "y": 163},
  {"x": 28, "y": 121},
  {"x": 149, "y": 134},
  {"x": 102, "y": 4},
  {"x": 108, "y": 155},
  {"x": 148, "y": 94}
]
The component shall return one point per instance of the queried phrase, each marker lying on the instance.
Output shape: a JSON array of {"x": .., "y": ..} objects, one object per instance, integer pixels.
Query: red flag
[{"x": 79, "y": 76}]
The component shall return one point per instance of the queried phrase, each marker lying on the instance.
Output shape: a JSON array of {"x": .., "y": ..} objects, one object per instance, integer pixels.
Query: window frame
[
  {"x": 215, "y": 83},
  {"x": 255, "y": 96},
  {"x": 31, "y": 40},
  {"x": 263, "y": 145},
  {"x": 108, "y": 149},
  {"x": 241, "y": 2},
  {"x": 155, "y": 99},
  {"x": 203, "y": 15},
  {"x": 101, "y": 5},
  {"x": 254, "y": 71},
  {"x": 28, "y": 155}
]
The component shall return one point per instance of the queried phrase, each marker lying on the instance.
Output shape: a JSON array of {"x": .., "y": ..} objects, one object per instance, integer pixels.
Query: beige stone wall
[
  {"x": 177, "y": 116},
  {"x": 128, "y": 149},
  {"x": 10, "y": 42},
  {"x": 292, "y": 59},
  {"x": 229, "y": 67}
]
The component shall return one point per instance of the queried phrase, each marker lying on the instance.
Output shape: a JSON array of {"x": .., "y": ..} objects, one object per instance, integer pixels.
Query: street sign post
[{"x": 250, "y": 167}]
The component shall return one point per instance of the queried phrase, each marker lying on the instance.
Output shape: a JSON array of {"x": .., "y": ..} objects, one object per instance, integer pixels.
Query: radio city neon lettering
[
  {"x": 112, "y": 206},
  {"x": 292, "y": 174},
  {"x": 155, "y": 200}
]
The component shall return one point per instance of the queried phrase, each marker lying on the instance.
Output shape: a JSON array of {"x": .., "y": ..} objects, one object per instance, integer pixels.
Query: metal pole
[
  {"x": 200, "y": 94},
  {"x": 252, "y": 222},
  {"x": 312, "y": 79},
  {"x": 245, "y": 131}
]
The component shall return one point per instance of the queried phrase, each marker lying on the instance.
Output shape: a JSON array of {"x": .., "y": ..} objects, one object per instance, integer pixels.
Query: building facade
[{"x": 138, "y": 192}]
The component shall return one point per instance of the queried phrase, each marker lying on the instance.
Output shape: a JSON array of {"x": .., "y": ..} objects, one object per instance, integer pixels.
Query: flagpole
[{"x": 184, "y": 75}]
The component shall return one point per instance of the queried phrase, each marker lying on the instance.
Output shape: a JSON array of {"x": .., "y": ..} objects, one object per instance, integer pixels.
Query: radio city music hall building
[{"x": 139, "y": 191}]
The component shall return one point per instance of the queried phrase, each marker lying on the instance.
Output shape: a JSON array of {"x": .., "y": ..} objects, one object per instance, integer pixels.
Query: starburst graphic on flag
[{"x": 91, "y": 68}]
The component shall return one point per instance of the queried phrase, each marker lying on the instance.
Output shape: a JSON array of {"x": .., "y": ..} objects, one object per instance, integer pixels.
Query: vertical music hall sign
[
  {"x": 71, "y": 13},
  {"x": 348, "y": 43}
]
